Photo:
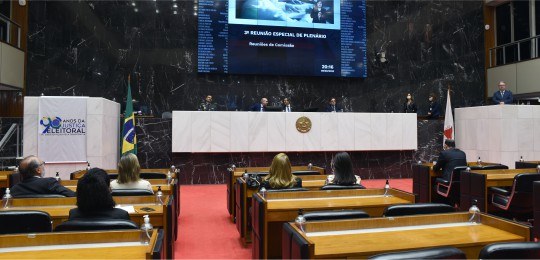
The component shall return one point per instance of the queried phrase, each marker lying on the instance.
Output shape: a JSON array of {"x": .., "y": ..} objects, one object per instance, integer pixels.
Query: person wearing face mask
[
  {"x": 409, "y": 106},
  {"x": 434, "y": 107},
  {"x": 450, "y": 158}
]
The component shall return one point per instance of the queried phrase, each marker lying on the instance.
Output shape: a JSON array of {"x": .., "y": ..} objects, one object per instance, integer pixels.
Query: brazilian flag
[{"x": 129, "y": 139}]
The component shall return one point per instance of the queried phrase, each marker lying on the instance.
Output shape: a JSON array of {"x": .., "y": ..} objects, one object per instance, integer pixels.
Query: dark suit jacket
[
  {"x": 435, "y": 109},
  {"x": 507, "y": 98},
  {"x": 207, "y": 106},
  {"x": 409, "y": 108},
  {"x": 113, "y": 213},
  {"x": 36, "y": 186},
  {"x": 450, "y": 159},
  {"x": 267, "y": 186},
  {"x": 283, "y": 108},
  {"x": 257, "y": 107},
  {"x": 330, "y": 109}
]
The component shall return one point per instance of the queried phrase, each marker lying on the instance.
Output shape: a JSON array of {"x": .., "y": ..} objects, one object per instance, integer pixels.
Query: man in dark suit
[
  {"x": 332, "y": 106},
  {"x": 260, "y": 107},
  {"x": 287, "y": 105},
  {"x": 450, "y": 158},
  {"x": 434, "y": 107},
  {"x": 31, "y": 169},
  {"x": 207, "y": 104},
  {"x": 502, "y": 96}
]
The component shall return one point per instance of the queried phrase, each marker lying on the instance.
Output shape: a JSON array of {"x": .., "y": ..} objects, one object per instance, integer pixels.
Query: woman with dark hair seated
[
  {"x": 280, "y": 175},
  {"x": 94, "y": 199},
  {"x": 343, "y": 171}
]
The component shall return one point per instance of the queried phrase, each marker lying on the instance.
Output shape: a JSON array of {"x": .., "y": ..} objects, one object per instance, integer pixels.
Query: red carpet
[{"x": 205, "y": 229}]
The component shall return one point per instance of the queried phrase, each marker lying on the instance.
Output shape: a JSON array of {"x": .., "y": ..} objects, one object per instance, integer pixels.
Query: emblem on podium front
[{"x": 303, "y": 124}]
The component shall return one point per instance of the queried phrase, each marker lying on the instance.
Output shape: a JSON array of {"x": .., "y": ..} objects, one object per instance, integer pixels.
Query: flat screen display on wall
[{"x": 282, "y": 37}]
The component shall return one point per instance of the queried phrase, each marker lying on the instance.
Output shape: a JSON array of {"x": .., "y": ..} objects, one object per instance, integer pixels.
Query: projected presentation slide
[{"x": 283, "y": 37}]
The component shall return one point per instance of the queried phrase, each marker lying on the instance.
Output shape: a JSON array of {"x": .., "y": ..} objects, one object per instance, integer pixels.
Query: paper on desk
[{"x": 129, "y": 209}]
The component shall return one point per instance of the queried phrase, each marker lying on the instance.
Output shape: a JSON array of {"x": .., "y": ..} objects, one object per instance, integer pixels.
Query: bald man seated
[{"x": 32, "y": 169}]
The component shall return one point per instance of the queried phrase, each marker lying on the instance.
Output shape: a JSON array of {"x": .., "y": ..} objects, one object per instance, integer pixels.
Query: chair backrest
[
  {"x": 14, "y": 178},
  {"x": 511, "y": 250},
  {"x": 153, "y": 175},
  {"x": 446, "y": 252},
  {"x": 307, "y": 172},
  {"x": 166, "y": 114},
  {"x": 456, "y": 174},
  {"x": 333, "y": 215},
  {"x": 24, "y": 221},
  {"x": 287, "y": 190},
  {"x": 101, "y": 224},
  {"x": 131, "y": 192},
  {"x": 342, "y": 187},
  {"x": 416, "y": 209},
  {"x": 523, "y": 182},
  {"x": 39, "y": 196}
]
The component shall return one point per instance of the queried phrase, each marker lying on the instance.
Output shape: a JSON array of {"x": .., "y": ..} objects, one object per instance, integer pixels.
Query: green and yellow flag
[{"x": 129, "y": 138}]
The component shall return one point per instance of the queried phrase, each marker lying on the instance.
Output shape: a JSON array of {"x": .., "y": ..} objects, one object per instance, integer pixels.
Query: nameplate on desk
[{"x": 129, "y": 209}]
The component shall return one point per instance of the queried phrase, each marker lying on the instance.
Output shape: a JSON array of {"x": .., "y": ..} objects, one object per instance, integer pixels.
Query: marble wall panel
[{"x": 87, "y": 48}]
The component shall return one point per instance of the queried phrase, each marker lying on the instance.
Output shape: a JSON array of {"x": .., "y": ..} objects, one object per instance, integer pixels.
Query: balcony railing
[
  {"x": 10, "y": 32},
  {"x": 517, "y": 51}
]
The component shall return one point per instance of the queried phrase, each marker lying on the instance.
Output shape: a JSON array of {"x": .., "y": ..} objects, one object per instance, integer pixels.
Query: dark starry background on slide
[{"x": 87, "y": 48}]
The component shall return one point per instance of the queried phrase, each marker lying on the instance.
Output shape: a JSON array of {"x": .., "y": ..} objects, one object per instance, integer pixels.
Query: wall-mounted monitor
[{"x": 282, "y": 37}]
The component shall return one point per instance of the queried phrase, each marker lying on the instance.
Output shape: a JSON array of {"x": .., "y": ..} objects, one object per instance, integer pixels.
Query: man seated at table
[
  {"x": 32, "y": 169},
  {"x": 261, "y": 107},
  {"x": 450, "y": 158}
]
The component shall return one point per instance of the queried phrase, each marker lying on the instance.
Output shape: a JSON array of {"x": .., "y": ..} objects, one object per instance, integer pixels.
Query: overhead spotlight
[
  {"x": 133, "y": 3},
  {"x": 195, "y": 13},
  {"x": 175, "y": 12},
  {"x": 136, "y": 9},
  {"x": 195, "y": 7},
  {"x": 175, "y": 6},
  {"x": 157, "y": 11}
]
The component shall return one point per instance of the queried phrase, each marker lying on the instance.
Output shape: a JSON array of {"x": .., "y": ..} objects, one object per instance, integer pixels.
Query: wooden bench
[
  {"x": 474, "y": 185},
  {"x": 231, "y": 176},
  {"x": 161, "y": 216},
  {"x": 276, "y": 208},
  {"x": 243, "y": 196},
  {"x": 123, "y": 244},
  {"x": 363, "y": 238}
]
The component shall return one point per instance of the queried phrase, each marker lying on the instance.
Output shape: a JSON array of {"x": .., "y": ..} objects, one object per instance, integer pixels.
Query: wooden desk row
[
  {"x": 474, "y": 185},
  {"x": 231, "y": 176},
  {"x": 271, "y": 212},
  {"x": 527, "y": 164},
  {"x": 123, "y": 244},
  {"x": 242, "y": 201},
  {"x": 161, "y": 216},
  {"x": 424, "y": 180},
  {"x": 166, "y": 188},
  {"x": 363, "y": 238}
]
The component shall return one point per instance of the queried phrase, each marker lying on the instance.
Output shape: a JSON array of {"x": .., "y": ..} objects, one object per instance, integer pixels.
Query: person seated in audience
[
  {"x": 128, "y": 174},
  {"x": 94, "y": 199},
  {"x": 32, "y": 169},
  {"x": 343, "y": 171},
  {"x": 450, "y": 158},
  {"x": 280, "y": 175}
]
